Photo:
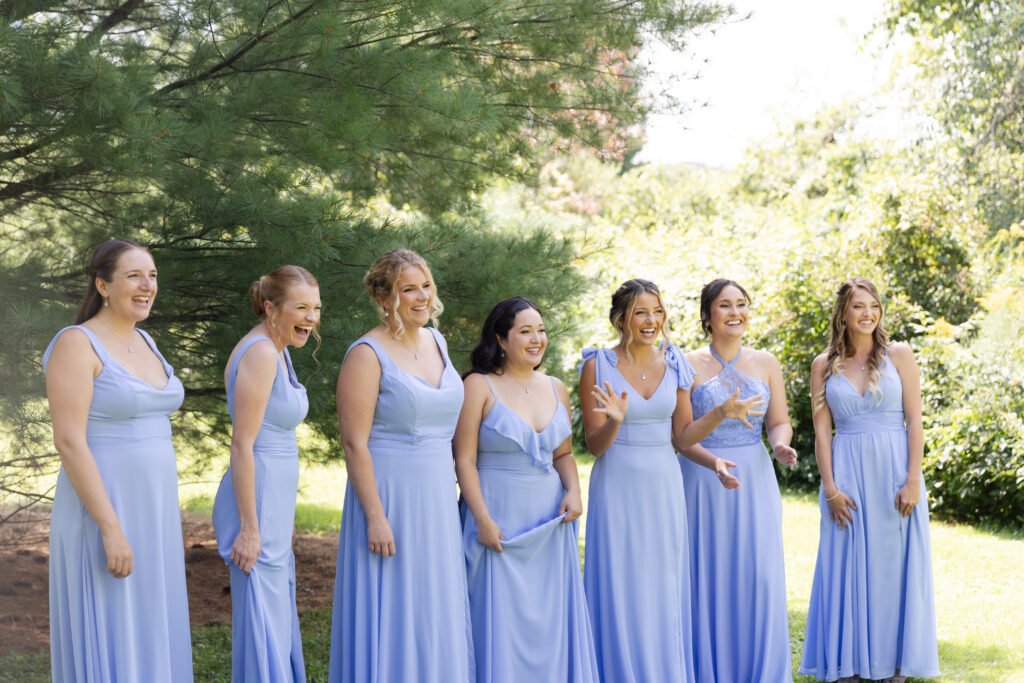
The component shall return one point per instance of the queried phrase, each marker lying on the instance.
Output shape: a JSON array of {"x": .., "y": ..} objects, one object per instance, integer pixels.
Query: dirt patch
[{"x": 24, "y": 573}]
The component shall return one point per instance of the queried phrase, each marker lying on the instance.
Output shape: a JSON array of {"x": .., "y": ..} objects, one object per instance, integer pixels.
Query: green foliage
[{"x": 232, "y": 137}]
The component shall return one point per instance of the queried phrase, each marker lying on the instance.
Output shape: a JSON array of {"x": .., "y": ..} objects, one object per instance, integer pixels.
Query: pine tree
[{"x": 234, "y": 136}]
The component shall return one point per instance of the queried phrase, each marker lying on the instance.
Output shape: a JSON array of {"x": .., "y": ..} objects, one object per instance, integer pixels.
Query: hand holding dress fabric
[
  {"x": 489, "y": 534},
  {"x": 612, "y": 405},
  {"x": 571, "y": 507},
  {"x": 246, "y": 549},
  {"x": 839, "y": 507}
]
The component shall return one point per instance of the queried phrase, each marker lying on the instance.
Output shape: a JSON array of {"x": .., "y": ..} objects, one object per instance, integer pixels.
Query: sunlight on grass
[{"x": 978, "y": 587}]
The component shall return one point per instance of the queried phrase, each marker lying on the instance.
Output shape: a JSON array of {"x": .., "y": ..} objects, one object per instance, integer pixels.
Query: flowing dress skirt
[
  {"x": 530, "y": 620},
  {"x": 406, "y": 617},
  {"x": 740, "y": 623},
  {"x": 872, "y": 612},
  {"x": 637, "y": 571},
  {"x": 135, "y": 628}
]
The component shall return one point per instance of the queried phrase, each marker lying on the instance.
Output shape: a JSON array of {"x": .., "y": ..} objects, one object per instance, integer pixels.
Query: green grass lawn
[{"x": 979, "y": 590}]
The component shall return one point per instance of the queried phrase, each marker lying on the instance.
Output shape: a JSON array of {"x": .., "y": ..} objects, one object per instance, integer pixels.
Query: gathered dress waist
[
  {"x": 140, "y": 428},
  {"x": 887, "y": 421},
  {"x": 506, "y": 461}
]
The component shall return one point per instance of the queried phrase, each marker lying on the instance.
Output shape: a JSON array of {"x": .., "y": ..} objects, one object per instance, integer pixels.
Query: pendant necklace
[{"x": 114, "y": 335}]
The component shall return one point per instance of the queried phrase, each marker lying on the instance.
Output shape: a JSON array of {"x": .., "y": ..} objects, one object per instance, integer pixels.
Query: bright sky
[{"x": 788, "y": 60}]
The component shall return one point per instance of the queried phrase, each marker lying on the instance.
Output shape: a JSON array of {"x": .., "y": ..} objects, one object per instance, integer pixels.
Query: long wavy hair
[
  {"x": 381, "y": 283},
  {"x": 839, "y": 343},
  {"x": 623, "y": 305},
  {"x": 103, "y": 265},
  {"x": 487, "y": 356}
]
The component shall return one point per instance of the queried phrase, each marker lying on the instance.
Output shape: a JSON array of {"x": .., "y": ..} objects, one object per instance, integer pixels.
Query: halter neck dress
[
  {"x": 135, "y": 628},
  {"x": 406, "y": 617},
  {"x": 265, "y": 640},
  {"x": 530, "y": 620},
  {"x": 737, "y": 568},
  {"x": 637, "y": 569},
  {"x": 872, "y": 603}
]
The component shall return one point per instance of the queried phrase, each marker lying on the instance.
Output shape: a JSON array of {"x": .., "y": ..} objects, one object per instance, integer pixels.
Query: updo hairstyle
[
  {"x": 381, "y": 283},
  {"x": 274, "y": 286}
]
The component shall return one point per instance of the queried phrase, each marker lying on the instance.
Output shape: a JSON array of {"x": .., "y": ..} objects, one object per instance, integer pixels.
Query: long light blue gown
[
  {"x": 737, "y": 569},
  {"x": 530, "y": 620},
  {"x": 135, "y": 628},
  {"x": 265, "y": 641},
  {"x": 872, "y": 603},
  {"x": 406, "y": 617},
  {"x": 637, "y": 570}
]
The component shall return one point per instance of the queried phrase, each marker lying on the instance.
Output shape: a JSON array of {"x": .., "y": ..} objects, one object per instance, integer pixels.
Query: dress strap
[
  {"x": 233, "y": 368},
  {"x": 494, "y": 395},
  {"x": 97, "y": 346},
  {"x": 386, "y": 363},
  {"x": 719, "y": 358},
  {"x": 554, "y": 389}
]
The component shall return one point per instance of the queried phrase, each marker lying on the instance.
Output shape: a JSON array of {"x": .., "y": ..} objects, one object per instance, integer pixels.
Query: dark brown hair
[
  {"x": 708, "y": 294},
  {"x": 103, "y": 264}
]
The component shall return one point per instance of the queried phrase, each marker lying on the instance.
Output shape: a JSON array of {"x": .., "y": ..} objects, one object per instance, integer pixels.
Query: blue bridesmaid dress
[
  {"x": 265, "y": 641},
  {"x": 530, "y": 620},
  {"x": 872, "y": 604},
  {"x": 637, "y": 570},
  {"x": 406, "y": 617},
  {"x": 737, "y": 569},
  {"x": 135, "y": 628}
]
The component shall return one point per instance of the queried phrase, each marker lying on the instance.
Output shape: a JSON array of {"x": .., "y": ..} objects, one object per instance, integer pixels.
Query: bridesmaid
[
  {"x": 636, "y": 414},
  {"x": 521, "y": 493},
  {"x": 871, "y": 613},
  {"x": 254, "y": 512},
  {"x": 401, "y": 610},
  {"x": 118, "y": 604},
  {"x": 737, "y": 572}
]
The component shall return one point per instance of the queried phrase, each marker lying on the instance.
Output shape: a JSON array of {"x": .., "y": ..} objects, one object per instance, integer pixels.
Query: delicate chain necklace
[
  {"x": 643, "y": 371},
  {"x": 526, "y": 387},
  {"x": 114, "y": 335}
]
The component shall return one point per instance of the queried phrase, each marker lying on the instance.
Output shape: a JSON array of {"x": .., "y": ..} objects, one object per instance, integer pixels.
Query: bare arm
[
  {"x": 779, "y": 429},
  {"x": 720, "y": 466},
  {"x": 837, "y": 501},
  {"x": 902, "y": 358},
  {"x": 358, "y": 386},
  {"x": 70, "y": 372},
  {"x": 565, "y": 464},
  {"x": 254, "y": 381},
  {"x": 467, "y": 435},
  {"x": 603, "y": 410}
]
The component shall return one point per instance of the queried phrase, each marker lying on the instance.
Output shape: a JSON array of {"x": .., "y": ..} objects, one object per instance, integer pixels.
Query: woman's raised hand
[
  {"x": 736, "y": 409},
  {"x": 611, "y": 404}
]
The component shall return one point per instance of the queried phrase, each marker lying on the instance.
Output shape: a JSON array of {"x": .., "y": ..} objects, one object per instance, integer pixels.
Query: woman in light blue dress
[
  {"x": 636, "y": 414},
  {"x": 737, "y": 569},
  {"x": 401, "y": 609},
  {"x": 521, "y": 499},
  {"x": 872, "y": 612},
  {"x": 254, "y": 511},
  {"x": 118, "y": 603}
]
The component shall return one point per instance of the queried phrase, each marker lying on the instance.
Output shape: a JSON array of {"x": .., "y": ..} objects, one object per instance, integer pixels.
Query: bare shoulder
[
  {"x": 475, "y": 385},
  {"x": 902, "y": 355},
  {"x": 763, "y": 358},
  {"x": 560, "y": 390},
  {"x": 818, "y": 364},
  {"x": 73, "y": 345}
]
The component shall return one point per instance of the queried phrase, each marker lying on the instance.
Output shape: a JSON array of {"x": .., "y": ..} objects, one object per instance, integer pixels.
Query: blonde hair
[
  {"x": 623, "y": 305},
  {"x": 381, "y": 283},
  {"x": 838, "y": 349},
  {"x": 274, "y": 286}
]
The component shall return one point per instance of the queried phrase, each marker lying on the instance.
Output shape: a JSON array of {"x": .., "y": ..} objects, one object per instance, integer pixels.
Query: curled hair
[
  {"x": 274, "y": 287},
  {"x": 102, "y": 265},
  {"x": 839, "y": 344},
  {"x": 487, "y": 356},
  {"x": 381, "y": 283},
  {"x": 708, "y": 294},
  {"x": 623, "y": 305}
]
